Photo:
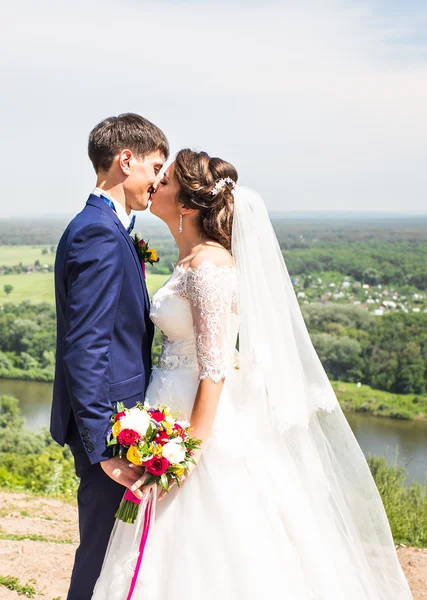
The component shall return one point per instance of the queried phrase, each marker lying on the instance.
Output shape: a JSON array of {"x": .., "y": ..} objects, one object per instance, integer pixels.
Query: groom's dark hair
[{"x": 129, "y": 131}]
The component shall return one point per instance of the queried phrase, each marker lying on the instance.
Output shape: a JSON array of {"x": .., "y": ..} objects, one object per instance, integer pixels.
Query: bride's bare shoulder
[{"x": 215, "y": 255}]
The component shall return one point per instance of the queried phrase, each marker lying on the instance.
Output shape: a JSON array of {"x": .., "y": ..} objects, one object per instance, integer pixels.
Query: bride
[{"x": 281, "y": 502}]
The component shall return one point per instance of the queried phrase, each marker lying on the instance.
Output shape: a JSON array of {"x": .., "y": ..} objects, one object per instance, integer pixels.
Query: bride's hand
[{"x": 126, "y": 474}]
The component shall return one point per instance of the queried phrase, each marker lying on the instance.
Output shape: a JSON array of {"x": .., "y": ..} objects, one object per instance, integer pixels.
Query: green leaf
[
  {"x": 164, "y": 481},
  {"x": 151, "y": 433}
]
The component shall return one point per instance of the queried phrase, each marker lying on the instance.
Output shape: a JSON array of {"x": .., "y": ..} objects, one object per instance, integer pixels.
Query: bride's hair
[{"x": 196, "y": 174}]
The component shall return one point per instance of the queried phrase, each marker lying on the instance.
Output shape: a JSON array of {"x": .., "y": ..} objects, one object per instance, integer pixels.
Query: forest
[{"x": 361, "y": 283}]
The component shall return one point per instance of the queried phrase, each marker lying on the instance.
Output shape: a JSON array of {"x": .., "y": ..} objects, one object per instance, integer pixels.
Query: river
[{"x": 378, "y": 436}]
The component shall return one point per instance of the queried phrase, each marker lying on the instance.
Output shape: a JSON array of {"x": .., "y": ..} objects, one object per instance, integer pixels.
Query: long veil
[{"x": 343, "y": 517}]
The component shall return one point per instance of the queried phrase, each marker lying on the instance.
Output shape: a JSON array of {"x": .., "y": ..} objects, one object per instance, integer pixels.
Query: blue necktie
[
  {"x": 131, "y": 225},
  {"x": 111, "y": 205}
]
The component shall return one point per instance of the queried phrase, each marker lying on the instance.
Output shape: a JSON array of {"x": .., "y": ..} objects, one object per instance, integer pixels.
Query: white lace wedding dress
[{"x": 260, "y": 517}]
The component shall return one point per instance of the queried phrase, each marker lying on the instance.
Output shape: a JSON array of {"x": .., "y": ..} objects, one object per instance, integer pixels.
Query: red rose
[
  {"x": 157, "y": 416},
  {"x": 180, "y": 430},
  {"x": 128, "y": 437},
  {"x": 157, "y": 465},
  {"x": 141, "y": 242},
  {"x": 120, "y": 415},
  {"x": 162, "y": 437}
]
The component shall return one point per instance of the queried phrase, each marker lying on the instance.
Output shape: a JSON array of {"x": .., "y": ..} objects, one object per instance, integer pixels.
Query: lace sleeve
[{"x": 210, "y": 290}]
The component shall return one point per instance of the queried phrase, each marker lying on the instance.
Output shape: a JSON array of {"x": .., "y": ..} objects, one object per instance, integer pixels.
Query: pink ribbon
[
  {"x": 145, "y": 530},
  {"x": 131, "y": 497}
]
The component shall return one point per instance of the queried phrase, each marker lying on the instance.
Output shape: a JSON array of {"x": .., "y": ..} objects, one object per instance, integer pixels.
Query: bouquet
[
  {"x": 154, "y": 439},
  {"x": 144, "y": 252}
]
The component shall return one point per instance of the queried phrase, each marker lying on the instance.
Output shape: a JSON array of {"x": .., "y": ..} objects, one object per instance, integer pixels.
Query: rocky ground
[{"x": 38, "y": 538}]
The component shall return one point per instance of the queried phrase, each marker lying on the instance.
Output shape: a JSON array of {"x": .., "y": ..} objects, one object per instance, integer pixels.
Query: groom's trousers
[{"x": 98, "y": 500}]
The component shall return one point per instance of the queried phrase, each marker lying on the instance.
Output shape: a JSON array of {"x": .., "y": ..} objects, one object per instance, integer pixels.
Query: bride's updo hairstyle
[{"x": 197, "y": 174}]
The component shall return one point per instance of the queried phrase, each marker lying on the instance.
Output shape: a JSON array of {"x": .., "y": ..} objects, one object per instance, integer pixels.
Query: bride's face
[{"x": 163, "y": 201}]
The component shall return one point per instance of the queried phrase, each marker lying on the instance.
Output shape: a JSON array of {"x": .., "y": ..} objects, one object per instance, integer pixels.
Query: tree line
[
  {"x": 388, "y": 353},
  {"x": 27, "y": 341}
]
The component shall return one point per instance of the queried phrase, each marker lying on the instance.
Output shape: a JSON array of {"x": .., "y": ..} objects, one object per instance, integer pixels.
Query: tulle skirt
[{"x": 262, "y": 515}]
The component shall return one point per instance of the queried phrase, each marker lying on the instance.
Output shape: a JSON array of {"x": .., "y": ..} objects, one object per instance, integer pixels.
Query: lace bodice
[{"x": 196, "y": 310}]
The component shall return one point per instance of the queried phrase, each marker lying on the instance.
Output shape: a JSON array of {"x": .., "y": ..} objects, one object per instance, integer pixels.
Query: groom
[{"x": 104, "y": 333}]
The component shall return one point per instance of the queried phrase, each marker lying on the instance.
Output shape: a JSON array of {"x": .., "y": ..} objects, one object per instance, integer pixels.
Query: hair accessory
[{"x": 221, "y": 183}]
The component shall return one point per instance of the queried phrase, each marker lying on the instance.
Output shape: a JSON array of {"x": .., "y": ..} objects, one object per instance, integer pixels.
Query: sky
[{"x": 320, "y": 105}]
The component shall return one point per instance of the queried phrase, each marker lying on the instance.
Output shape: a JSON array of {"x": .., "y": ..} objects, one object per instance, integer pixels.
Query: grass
[
  {"x": 70, "y": 499},
  {"x": 38, "y": 287},
  {"x": 13, "y": 584},
  {"x": 33, "y": 537},
  {"x": 406, "y": 506},
  {"x": 27, "y": 255},
  {"x": 364, "y": 399},
  {"x": 4, "y": 512}
]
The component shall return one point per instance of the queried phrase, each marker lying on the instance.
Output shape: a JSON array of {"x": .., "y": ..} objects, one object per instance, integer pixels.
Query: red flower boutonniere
[{"x": 144, "y": 252}]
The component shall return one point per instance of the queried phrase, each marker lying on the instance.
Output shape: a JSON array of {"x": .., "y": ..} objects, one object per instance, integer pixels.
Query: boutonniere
[{"x": 144, "y": 252}]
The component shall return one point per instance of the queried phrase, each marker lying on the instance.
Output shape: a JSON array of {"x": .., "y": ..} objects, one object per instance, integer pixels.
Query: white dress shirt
[{"x": 121, "y": 212}]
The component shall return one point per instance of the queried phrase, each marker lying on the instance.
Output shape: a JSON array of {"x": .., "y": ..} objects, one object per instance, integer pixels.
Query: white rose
[
  {"x": 183, "y": 424},
  {"x": 136, "y": 419},
  {"x": 173, "y": 452}
]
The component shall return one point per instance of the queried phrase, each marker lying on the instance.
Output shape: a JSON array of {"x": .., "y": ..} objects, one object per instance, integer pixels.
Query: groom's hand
[{"x": 129, "y": 476}]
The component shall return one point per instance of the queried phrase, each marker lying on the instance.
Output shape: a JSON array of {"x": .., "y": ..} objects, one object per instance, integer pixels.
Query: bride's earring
[{"x": 180, "y": 223}]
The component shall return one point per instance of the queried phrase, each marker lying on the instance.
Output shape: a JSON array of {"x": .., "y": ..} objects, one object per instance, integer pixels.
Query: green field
[
  {"x": 38, "y": 287},
  {"x": 364, "y": 399},
  {"x": 27, "y": 255}
]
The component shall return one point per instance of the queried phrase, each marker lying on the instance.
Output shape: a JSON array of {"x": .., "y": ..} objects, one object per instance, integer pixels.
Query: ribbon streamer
[{"x": 145, "y": 529}]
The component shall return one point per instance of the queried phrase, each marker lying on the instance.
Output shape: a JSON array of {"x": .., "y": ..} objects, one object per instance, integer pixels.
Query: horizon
[{"x": 303, "y": 213}]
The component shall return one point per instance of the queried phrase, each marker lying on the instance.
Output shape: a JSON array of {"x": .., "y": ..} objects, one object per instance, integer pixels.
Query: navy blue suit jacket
[{"x": 104, "y": 333}]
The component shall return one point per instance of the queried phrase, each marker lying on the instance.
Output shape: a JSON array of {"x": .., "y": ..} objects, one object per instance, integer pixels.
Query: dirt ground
[{"x": 45, "y": 560}]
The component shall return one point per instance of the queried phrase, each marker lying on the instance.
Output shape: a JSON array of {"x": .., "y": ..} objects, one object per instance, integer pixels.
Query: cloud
[{"x": 319, "y": 105}]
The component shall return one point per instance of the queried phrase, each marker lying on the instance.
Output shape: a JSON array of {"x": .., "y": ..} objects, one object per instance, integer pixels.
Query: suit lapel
[
  {"x": 99, "y": 203},
  {"x": 129, "y": 241}
]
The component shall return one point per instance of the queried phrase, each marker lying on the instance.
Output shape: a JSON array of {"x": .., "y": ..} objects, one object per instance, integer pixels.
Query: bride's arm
[
  {"x": 204, "y": 411},
  {"x": 209, "y": 289}
]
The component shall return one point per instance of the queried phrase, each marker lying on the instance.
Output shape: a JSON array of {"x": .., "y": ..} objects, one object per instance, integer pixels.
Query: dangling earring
[{"x": 180, "y": 223}]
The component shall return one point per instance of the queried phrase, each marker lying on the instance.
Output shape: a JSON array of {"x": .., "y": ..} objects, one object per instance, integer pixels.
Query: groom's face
[{"x": 143, "y": 173}]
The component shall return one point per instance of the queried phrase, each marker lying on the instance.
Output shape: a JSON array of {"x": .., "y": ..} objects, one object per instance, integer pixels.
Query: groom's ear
[{"x": 124, "y": 158}]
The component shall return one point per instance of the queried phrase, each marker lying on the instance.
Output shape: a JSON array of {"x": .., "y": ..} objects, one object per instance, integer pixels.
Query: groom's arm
[{"x": 94, "y": 276}]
